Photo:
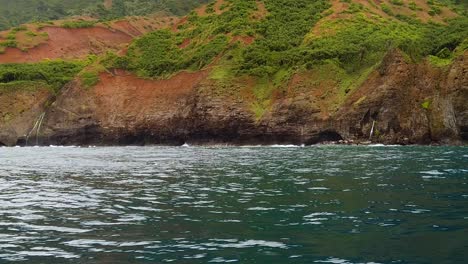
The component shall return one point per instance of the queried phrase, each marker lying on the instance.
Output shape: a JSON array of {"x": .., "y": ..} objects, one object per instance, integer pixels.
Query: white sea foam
[
  {"x": 318, "y": 188},
  {"x": 284, "y": 146},
  {"x": 341, "y": 261},
  {"x": 319, "y": 214}
]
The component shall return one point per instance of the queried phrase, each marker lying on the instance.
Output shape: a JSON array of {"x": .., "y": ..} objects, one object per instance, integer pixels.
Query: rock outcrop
[
  {"x": 409, "y": 103},
  {"x": 406, "y": 103},
  {"x": 20, "y": 114}
]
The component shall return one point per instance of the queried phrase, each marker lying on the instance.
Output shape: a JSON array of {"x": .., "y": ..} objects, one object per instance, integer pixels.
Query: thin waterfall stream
[{"x": 36, "y": 128}]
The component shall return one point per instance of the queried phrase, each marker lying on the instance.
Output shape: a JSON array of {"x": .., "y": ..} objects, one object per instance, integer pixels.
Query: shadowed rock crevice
[{"x": 325, "y": 136}]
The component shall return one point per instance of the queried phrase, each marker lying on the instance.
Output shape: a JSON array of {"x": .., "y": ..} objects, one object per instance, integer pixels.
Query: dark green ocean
[{"x": 277, "y": 204}]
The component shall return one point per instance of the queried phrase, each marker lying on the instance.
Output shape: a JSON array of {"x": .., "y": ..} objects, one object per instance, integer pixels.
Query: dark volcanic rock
[
  {"x": 21, "y": 111},
  {"x": 405, "y": 102},
  {"x": 393, "y": 100}
]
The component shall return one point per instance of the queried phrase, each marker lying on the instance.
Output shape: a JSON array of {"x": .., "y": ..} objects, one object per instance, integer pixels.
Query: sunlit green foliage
[
  {"x": 157, "y": 54},
  {"x": 78, "y": 24},
  {"x": 54, "y": 73},
  {"x": 426, "y": 104},
  {"x": 89, "y": 79},
  {"x": 281, "y": 35},
  {"x": 283, "y": 40}
]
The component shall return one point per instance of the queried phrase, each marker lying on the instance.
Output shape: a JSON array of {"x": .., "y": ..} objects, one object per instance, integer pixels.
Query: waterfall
[
  {"x": 372, "y": 130},
  {"x": 39, "y": 128},
  {"x": 36, "y": 128}
]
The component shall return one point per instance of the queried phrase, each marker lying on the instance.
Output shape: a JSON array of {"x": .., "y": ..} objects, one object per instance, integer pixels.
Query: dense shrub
[
  {"x": 283, "y": 39},
  {"x": 78, "y": 24},
  {"x": 54, "y": 73},
  {"x": 157, "y": 54}
]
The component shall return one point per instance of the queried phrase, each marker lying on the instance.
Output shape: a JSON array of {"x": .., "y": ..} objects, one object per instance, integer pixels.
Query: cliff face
[
  {"x": 409, "y": 103},
  {"x": 406, "y": 103},
  {"x": 20, "y": 111}
]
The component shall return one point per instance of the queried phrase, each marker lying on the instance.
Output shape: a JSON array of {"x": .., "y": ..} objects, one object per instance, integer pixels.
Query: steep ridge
[
  {"x": 409, "y": 103},
  {"x": 198, "y": 81}
]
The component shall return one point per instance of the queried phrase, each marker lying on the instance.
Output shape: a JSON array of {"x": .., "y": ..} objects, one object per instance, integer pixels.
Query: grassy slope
[
  {"x": 344, "y": 38},
  {"x": 286, "y": 38}
]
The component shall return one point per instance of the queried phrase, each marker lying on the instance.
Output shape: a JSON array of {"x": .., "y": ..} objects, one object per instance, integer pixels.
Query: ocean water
[{"x": 320, "y": 204}]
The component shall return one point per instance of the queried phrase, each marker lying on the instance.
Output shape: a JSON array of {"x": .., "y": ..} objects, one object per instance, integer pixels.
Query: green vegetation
[
  {"x": 89, "y": 76},
  {"x": 287, "y": 40},
  {"x": 13, "y": 13},
  {"x": 397, "y": 2},
  {"x": 16, "y": 12},
  {"x": 413, "y": 6},
  {"x": 54, "y": 73},
  {"x": 386, "y": 9},
  {"x": 24, "y": 86},
  {"x": 89, "y": 79},
  {"x": 439, "y": 62},
  {"x": 157, "y": 54},
  {"x": 281, "y": 36},
  {"x": 426, "y": 104},
  {"x": 78, "y": 24},
  {"x": 284, "y": 42},
  {"x": 434, "y": 11},
  {"x": 31, "y": 34},
  {"x": 18, "y": 29},
  {"x": 9, "y": 43},
  {"x": 279, "y": 39},
  {"x": 121, "y": 8}
]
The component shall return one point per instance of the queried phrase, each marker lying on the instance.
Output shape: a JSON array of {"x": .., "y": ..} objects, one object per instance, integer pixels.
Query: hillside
[
  {"x": 16, "y": 12},
  {"x": 243, "y": 71}
]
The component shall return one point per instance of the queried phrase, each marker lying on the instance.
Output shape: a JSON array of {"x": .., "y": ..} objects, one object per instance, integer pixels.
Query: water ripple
[{"x": 323, "y": 204}]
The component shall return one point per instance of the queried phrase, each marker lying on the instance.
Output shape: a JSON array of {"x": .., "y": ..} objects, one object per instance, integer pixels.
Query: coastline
[{"x": 214, "y": 144}]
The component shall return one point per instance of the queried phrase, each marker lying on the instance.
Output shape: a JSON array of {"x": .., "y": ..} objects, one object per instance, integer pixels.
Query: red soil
[
  {"x": 323, "y": 95},
  {"x": 201, "y": 11},
  {"x": 69, "y": 43},
  {"x": 218, "y": 5},
  {"x": 126, "y": 27},
  {"x": 247, "y": 40},
  {"x": 124, "y": 99},
  {"x": 180, "y": 22},
  {"x": 136, "y": 26},
  {"x": 64, "y": 43},
  {"x": 261, "y": 12},
  {"x": 108, "y": 4},
  {"x": 123, "y": 51},
  {"x": 185, "y": 43}
]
